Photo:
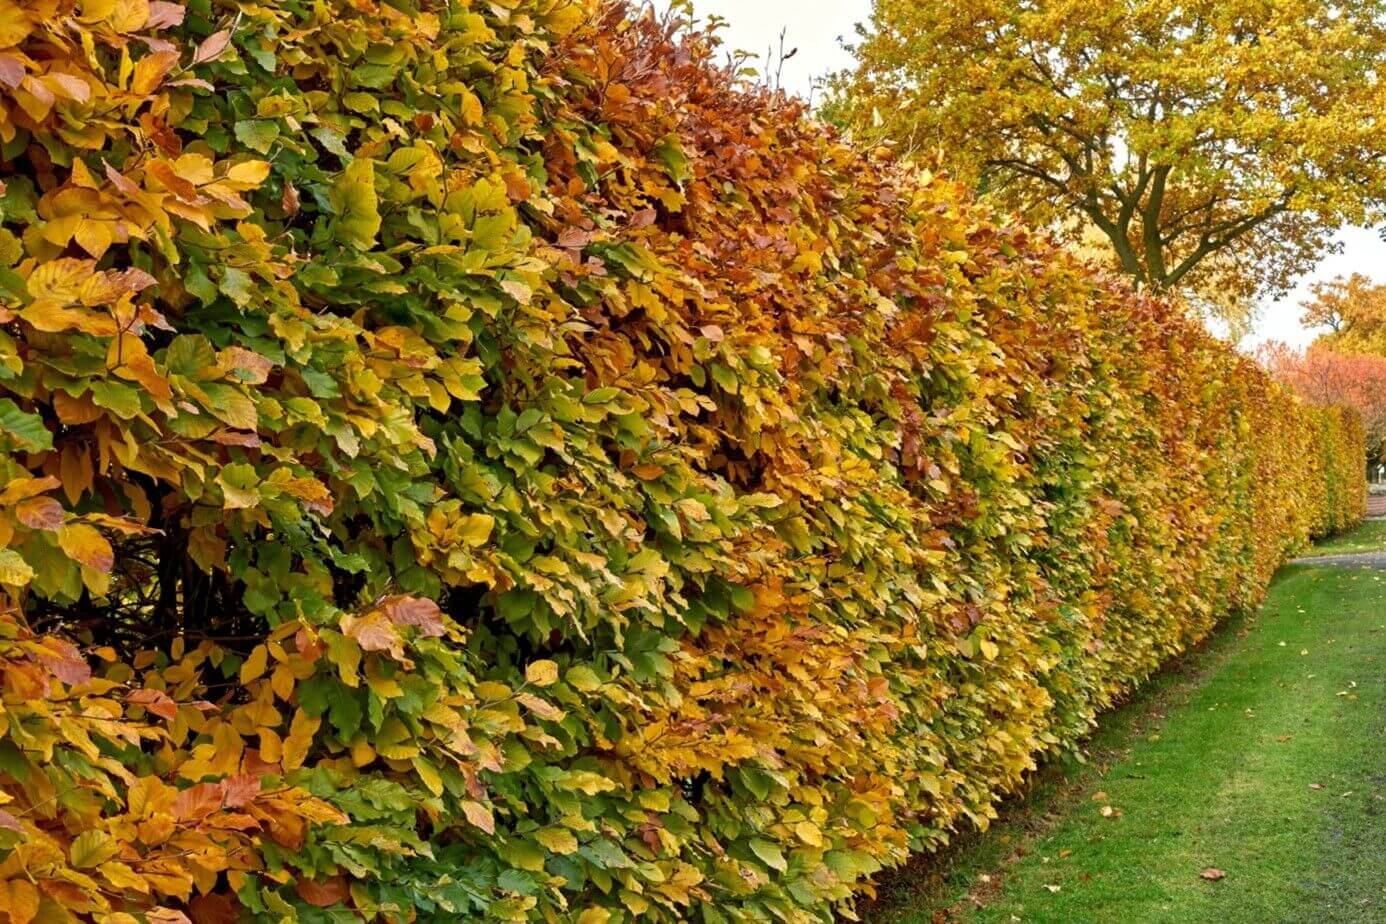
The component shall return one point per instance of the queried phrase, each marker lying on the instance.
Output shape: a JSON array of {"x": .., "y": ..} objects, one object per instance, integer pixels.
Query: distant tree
[
  {"x": 1215, "y": 145},
  {"x": 1323, "y": 376},
  {"x": 1354, "y": 310}
]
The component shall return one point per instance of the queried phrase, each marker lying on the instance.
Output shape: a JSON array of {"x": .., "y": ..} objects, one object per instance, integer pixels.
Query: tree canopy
[
  {"x": 1325, "y": 377},
  {"x": 1353, "y": 308},
  {"x": 1215, "y": 145}
]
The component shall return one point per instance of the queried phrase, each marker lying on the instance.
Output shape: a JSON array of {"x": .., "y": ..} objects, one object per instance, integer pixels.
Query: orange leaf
[
  {"x": 40, "y": 513},
  {"x": 479, "y": 815},
  {"x": 151, "y": 70}
]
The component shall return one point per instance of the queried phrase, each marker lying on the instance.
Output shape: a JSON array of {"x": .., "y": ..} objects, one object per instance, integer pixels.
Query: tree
[
  {"x": 1215, "y": 145},
  {"x": 1324, "y": 377},
  {"x": 1354, "y": 310}
]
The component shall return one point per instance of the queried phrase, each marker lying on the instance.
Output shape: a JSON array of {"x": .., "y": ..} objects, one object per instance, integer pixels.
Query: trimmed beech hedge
[{"x": 473, "y": 461}]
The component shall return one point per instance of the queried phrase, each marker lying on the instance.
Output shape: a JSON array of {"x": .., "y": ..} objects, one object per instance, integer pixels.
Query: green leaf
[
  {"x": 356, "y": 206},
  {"x": 257, "y": 134},
  {"x": 121, "y": 400},
  {"x": 769, "y": 854},
  {"x": 25, "y": 429},
  {"x": 92, "y": 848},
  {"x": 240, "y": 486},
  {"x": 675, "y": 161}
]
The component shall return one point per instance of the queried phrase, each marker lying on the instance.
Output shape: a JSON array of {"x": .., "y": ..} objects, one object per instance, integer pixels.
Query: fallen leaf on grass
[
  {"x": 1053, "y": 888},
  {"x": 1099, "y": 796},
  {"x": 1212, "y": 874},
  {"x": 1110, "y": 812},
  {"x": 1316, "y": 786}
]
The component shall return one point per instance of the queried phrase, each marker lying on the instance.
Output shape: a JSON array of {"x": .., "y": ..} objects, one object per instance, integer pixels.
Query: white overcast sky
[{"x": 816, "y": 28}]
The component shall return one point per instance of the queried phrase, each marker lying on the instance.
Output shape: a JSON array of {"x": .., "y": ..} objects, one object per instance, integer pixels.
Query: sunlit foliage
[
  {"x": 474, "y": 462},
  {"x": 1215, "y": 146}
]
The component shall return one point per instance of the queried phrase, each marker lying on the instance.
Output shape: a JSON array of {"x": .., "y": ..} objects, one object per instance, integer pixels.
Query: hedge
[{"x": 482, "y": 462}]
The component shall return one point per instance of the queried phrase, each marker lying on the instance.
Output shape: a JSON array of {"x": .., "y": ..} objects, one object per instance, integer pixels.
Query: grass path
[
  {"x": 1262, "y": 755},
  {"x": 1369, "y": 537}
]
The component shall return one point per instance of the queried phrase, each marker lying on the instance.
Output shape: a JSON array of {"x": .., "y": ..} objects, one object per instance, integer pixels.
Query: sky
[{"x": 817, "y": 28}]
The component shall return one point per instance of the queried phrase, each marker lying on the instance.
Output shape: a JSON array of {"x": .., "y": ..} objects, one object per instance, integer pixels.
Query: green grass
[
  {"x": 1369, "y": 537},
  {"x": 1214, "y": 764}
]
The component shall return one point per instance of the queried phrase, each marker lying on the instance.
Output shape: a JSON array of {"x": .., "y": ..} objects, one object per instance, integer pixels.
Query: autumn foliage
[
  {"x": 475, "y": 462},
  {"x": 1325, "y": 377}
]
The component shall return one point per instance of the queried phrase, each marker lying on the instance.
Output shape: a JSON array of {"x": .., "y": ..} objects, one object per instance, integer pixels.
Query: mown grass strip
[{"x": 1261, "y": 756}]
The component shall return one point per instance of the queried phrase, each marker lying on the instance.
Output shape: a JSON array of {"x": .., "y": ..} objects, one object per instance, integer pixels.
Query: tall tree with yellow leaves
[
  {"x": 1215, "y": 145},
  {"x": 1353, "y": 309}
]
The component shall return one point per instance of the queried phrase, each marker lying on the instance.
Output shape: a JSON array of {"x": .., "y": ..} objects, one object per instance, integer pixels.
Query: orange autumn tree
[
  {"x": 482, "y": 462},
  {"x": 1325, "y": 377}
]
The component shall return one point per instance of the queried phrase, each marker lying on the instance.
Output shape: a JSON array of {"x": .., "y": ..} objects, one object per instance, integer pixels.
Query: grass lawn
[
  {"x": 1369, "y": 537},
  {"x": 1262, "y": 755}
]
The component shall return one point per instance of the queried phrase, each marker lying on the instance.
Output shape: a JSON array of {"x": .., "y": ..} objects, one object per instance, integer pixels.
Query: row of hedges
[{"x": 473, "y": 462}]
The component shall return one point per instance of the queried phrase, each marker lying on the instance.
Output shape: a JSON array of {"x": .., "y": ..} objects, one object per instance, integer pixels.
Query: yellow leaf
[
  {"x": 14, "y": 570},
  {"x": 429, "y": 774},
  {"x": 129, "y": 15},
  {"x": 541, "y": 673},
  {"x": 557, "y": 840},
  {"x": 472, "y": 113},
  {"x": 248, "y": 174},
  {"x": 83, "y": 544},
  {"x": 92, "y": 848},
  {"x": 300, "y": 739},
  {"x": 283, "y": 682},
  {"x": 255, "y": 664}
]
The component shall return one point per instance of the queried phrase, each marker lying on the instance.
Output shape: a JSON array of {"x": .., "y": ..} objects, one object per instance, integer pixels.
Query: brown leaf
[
  {"x": 373, "y": 632},
  {"x": 163, "y": 15},
  {"x": 1212, "y": 874},
  {"x": 288, "y": 200},
  {"x": 212, "y": 46},
  {"x": 122, "y": 182},
  {"x": 241, "y": 790},
  {"x": 63, "y": 660},
  {"x": 197, "y": 802},
  {"x": 479, "y": 815},
  {"x": 420, "y": 612},
  {"x": 151, "y": 70},
  {"x": 156, "y": 701},
  {"x": 322, "y": 894},
  {"x": 11, "y": 71},
  {"x": 166, "y": 916}
]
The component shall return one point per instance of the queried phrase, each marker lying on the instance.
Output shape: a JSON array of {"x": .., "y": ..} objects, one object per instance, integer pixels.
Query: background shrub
[{"x": 477, "y": 462}]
